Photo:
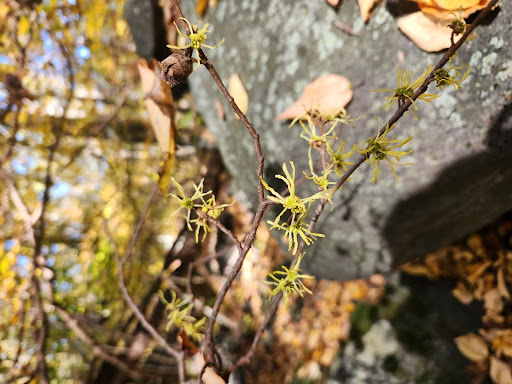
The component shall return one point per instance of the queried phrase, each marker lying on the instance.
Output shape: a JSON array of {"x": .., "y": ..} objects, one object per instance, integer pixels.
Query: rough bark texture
[{"x": 461, "y": 178}]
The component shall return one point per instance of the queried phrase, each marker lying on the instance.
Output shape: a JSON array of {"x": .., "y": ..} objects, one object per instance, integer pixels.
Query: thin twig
[
  {"x": 203, "y": 260},
  {"x": 345, "y": 28},
  {"x": 99, "y": 350},
  {"x": 179, "y": 356},
  {"x": 140, "y": 221}
]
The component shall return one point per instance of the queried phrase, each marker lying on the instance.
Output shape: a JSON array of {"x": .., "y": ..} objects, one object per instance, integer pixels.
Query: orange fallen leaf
[
  {"x": 445, "y": 9},
  {"x": 366, "y": 8},
  {"x": 328, "y": 94},
  {"x": 500, "y": 371},
  {"x": 472, "y": 346},
  {"x": 237, "y": 90},
  {"x": 426, "y": 33}
]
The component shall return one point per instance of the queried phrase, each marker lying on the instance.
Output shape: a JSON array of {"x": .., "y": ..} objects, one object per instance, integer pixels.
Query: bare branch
[{"x": 179, "y": 356}]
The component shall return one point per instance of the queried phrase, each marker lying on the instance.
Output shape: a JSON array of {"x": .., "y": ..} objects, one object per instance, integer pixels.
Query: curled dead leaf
[
  {"x": 480, "y": 269},
  {"x": 328, "y": 94},
  {"x": 210, "y": 377},
  {"x": 500, "y": 372},
  {"x": 237, "y": 90},
  {"x": 161, "y": 110},
  {"x": 366, "y": 8},
  {"x": 462, "y": 294},
  {"x": 502, "y": 285},
  {"x": 427, "y": 34},
  {"x": 415, "y": 269},
  {"x": 473, "y": 347}
]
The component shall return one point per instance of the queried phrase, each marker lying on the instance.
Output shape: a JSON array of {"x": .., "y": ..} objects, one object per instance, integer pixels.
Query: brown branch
[
  {"x": 209, "y": 344},
  {"x": 221, "y": 226},
  {"x": 39, "y": 233},
  {"x": 245, "y": 359},
  {"x": 102, "y": 351},
  {"x": 179, "y": 356},
  {"x": 203, "y": 260}
]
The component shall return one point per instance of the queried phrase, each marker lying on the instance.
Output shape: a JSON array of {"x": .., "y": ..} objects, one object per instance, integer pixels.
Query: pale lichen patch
[
  {"x": 497, "y": 42},
  {"x": 504, "y": 74},
  {"x": 488, "y": 62},
  {"x": 475, "y": 59}
]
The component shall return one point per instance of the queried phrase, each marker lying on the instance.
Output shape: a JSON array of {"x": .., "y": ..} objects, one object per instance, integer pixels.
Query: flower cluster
[
  {"x": 208, "y": 208},
  {"x": 296, "y": 206},
  {"x": 380, "y": 148},
  {"x": 196, "y": 37},
  {"x": 406, "y": 88},
  {"x": 179, "y": 316},
  {"x": 288, "y": 281},
  {"x": 450, "y": 75}
]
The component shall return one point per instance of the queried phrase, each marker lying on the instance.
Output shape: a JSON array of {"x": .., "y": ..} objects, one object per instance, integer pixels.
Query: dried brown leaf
[
  {"x": 473, "y": 347},
  {"x": 327, "y": 94},
  {"x": 462, "y": 294},
  {"x": 503, "y": 342},
  {"x": 502, "y": 285},
  {"x": 366, "y": 8},
  {"x": 160, "y": 106},
  {"x": 237, "y": 90},
  {"x": 493, "y": 301},
  {"x": 415, "y": 269},
  {"x": 480, "y": 269},
  {"x": 426, "y": 33},
  {"x": 500, "y": 372},
  {"x": 210, "y": 377}
]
